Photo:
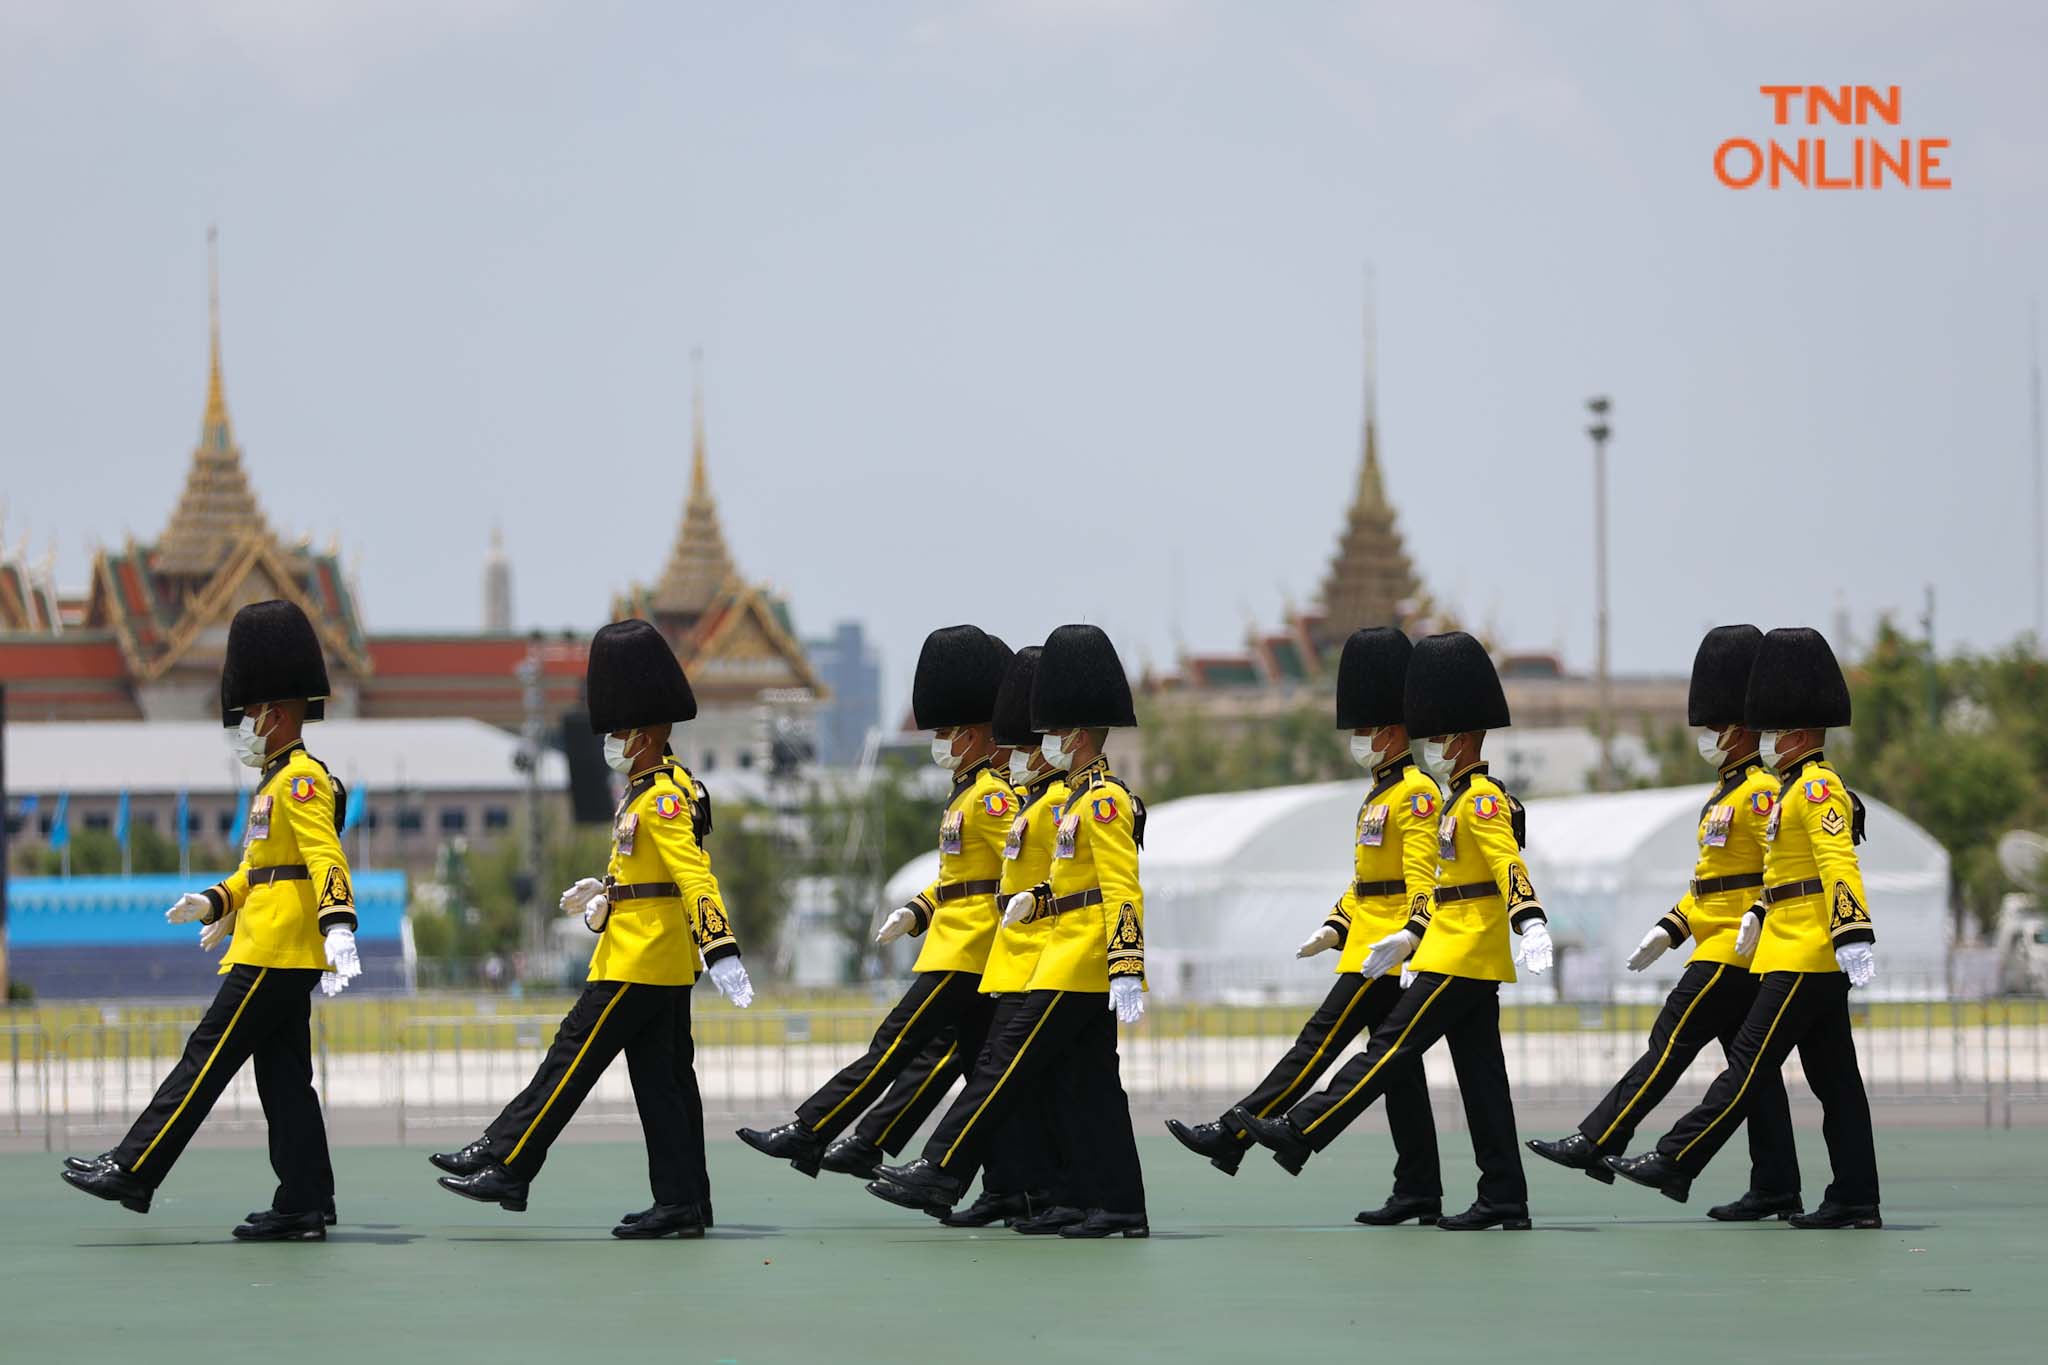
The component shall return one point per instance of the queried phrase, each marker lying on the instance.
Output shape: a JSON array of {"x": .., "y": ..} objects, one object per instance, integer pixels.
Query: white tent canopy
[{"x": 1234, "y": 880}]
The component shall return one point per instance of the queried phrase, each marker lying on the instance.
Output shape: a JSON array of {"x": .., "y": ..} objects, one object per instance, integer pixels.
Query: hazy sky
[{"x": 1026, "y": 312}]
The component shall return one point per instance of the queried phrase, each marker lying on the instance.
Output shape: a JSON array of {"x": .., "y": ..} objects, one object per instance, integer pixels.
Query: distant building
[
  {"x": 849, "y": 666},
  {"x": 144, "y": 641}
]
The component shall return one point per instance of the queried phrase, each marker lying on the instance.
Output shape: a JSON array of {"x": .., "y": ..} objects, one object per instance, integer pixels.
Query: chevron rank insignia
[{"x": 1832, "y": 822}]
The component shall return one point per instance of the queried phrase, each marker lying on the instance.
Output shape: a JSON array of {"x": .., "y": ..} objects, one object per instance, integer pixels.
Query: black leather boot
[
  {"x": 107, "y": 1180},
  {"x": 1754, "y": 1208},
  {"x": 468, "y": 1161},
  {"x": 990, "y": 1208},
  {"x": 1654, "y": 1171},
  {"x": 491, "y": 1185},
  {"x": 326, "y": 1214},
  {"x": 921, "y": 1185},
  {"x": 1576, "y": 1152},
  {"x": 1217, "y": 1141},
  {"x": 1482, "y": 1215},
  {"x": 1278, "y": 1136},
  {"x": 1833, "y": 1215},
  {"x": 1399, "y": 1210},
  {"x": 268, "y": 1225},
  {"x": 1103, "y": 1223},
  {"x": 1049, "y": 1223},
  {"x": 851, "y": 1154},
  {"x": 663, "y": 1220},
  {"x": 86, "y": 1163},
  {"x": 792, "y": 1142}
]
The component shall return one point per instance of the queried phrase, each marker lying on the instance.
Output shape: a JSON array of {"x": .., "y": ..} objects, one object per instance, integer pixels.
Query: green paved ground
[{"x": 1256, "y": 1269}]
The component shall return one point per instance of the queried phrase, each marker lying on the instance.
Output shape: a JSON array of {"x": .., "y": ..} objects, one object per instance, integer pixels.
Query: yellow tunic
[
  {"x": 1731, "y": 834},
  {"x": 1482, "y": 885},
  {"x": 1393, "y": 857},
  {"x": 1810, "y": 853},
  {"x": 1027, "y": 863},
  {"x": 283, "y": 922},
  {"x": 654, "y": 939},
  {"x": 1095, "y": 850},
  {"x": 958, "y": 913}
]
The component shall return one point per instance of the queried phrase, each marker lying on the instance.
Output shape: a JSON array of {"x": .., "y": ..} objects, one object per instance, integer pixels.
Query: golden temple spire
[
  {"x": 214, "y": 431},
  {"x": 1371, "y": 490},
  {"x": 699, "y": 566},
  {"x": 700, "y": 479}
]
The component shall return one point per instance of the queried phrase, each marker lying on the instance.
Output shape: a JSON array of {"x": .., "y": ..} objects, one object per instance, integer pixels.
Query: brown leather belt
[
  {"x": 1470, "y": 891},
  {"x": 1792, "y": 890},
  {"x": 1077, "y": 900},
  {"x": 1739, "y": 881},
  {"x": 632, "y": 891},
  {"x": 953, "y": 891},
  {"x": 1392, "y": 888},
  {"x": 283, "y": 872}
]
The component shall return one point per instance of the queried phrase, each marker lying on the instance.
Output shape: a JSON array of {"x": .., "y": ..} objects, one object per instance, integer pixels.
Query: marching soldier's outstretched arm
[
  {"x": 675, "y": 838},
  {"x": 1496, "y": 837},
  {"x": 1116, "y": 871},
  {"x": 312, "y": 821},
  {"x": 1829, "y": 824}
]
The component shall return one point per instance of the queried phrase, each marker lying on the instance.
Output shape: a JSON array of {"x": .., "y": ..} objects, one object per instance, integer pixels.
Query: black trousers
[
  {"x": 935, "y": 1003},
  {"x": 260, "y": 1013},
  {"x": 1809, "y": 1011},
  {"x": 685, "y": 1042},
  {"x": 1466, "y": 1013},
  {"x": 1061, "y": 1046},
  {"x": 610, "y": 1017},
  {"x": 1710, "y": 1001},
  {"x": 1353, "y": 1005},
  {"x": 915, "y": 1094}
]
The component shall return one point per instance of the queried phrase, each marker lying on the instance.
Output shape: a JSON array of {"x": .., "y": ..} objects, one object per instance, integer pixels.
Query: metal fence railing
[{"x": 398, "y": 1065}]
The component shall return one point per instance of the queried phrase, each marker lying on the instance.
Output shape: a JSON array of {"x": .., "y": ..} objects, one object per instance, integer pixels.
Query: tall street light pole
[{"x": 1600, "y": 431}]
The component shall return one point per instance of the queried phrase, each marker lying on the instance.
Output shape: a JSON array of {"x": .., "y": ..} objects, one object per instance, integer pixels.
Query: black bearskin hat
[
  {"x": 1081, "y": 683},
  {"x": 633, "y": 680},
  {"x": 1372, "y": 678},
  {"x": 1720, "y": 676},
  {"x": 273, "y": 655},
  {"x": 959, "y": 672},
  {"x": 1452, "y": 688},
  {"x": 1795, "y": 683},
  {"x": 1013, "y": 701}
]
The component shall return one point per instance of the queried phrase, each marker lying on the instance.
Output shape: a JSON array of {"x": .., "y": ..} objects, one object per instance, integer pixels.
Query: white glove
[
  {"x": 1748, "y": 932},
  {"x": 1407, "y": 975},
  {"x": 1321, "y": 941},
  {"x": 1654, "y": 945},
  {"x": 596, "y": 913},
  {"x": 896, "y": 926},
  {"x": 578, "y": 896},
  {"x": 729, "y": 974},
  {"x": 1858, "y": 961},
  {"x": 1395, "y": 947},
  {"x": 1535, "y": 949},
  {"x": 212, "y": 935},
  {"x": 341, "y": 956},
  {"x": 191, "y": 908},
  {"x": 1127, "y": 998},
  {"x": 1019, "y": 907}
]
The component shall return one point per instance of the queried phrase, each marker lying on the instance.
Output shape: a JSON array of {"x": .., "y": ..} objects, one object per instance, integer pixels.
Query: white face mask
[
  {"x": 1436, "y": 759},
  {"x": 615, "y": 756},
  {"x": 1767, "y": 748},
  {"x": 1020, "y": 767},
  {"x": 943, "y": 755},
  {"x": 1056, "y": 753},
  {"x": 1711, "y": 747},
  {"x": 248, "y": 745}
]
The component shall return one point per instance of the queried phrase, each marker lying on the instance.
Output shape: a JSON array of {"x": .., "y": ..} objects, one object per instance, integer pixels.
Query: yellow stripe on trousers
[
  {"x": 998, "y": 1086},
  {"x": 233, "y": 1019},
  {"x": 1762, "y": 1048},
  {"x": 1316, "y": 1056},
  {"x": 952, "y": 1050},
  {"x": 887, "y": 1052},
  {"x": 610, "y": 1005},
  {"x": 1670, "y": 1043},
  {"x": 1366, "y": 1079}
]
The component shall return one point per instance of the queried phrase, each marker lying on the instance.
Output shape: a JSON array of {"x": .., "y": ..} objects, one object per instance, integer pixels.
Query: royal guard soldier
[
  {"x": 1393, "y": 869},
  {"x": 953, "y": 694},
  {"x": 1460, "y": 944},
  {"x": 1089, "y": 976},
  {"x": 1813, "y": 943},
  {"x": 1717, "y": 989},
  {"x": 656, "y": 911},
  {"x": 291, "y": 912}
]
